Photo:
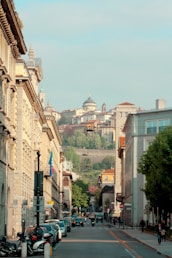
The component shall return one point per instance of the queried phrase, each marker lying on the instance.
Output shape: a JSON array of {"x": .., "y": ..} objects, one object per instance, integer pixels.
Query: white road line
[{"x": 130, "y": 253}]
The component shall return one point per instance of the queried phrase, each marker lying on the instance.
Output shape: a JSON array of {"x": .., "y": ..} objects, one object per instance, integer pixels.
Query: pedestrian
[
  {"x": 142, "y": 224},
  {"x": 163, "y": 230},
  {"x": 159, "y": 236}
]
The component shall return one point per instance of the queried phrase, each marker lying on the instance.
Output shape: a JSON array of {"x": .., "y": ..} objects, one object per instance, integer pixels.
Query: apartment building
[{"x": 140, "y": 130}]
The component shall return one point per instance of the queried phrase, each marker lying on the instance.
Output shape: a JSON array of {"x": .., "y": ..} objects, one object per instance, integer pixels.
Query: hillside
[
  {"x": 94, "y": 155},
  {"x": 91, "y": 177}
]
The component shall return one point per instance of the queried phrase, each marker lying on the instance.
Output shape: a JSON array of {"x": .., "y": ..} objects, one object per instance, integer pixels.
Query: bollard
[
  {"x": 24, "y": 250},
  {"x": 51, "y": 250},
  {"x": 47, "y": 250}
]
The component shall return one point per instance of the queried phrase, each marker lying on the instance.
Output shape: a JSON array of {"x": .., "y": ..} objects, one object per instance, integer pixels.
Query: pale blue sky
[{"x": 113, "y": 50}]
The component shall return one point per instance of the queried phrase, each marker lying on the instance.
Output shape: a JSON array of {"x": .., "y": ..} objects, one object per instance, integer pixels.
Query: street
[{"x": 101, "y": 241}]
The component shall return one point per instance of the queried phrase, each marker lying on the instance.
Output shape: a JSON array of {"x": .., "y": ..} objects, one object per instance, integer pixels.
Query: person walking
[
  {"x": 163, "y": 230},
  {"x": 142, "y": 224},
  {"x": 159, "y": 236}
]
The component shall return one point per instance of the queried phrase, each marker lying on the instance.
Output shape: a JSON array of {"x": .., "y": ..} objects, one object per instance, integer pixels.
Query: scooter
[
  {"x": 22, "y": 239},
  {"x": 38, "y": 245},
  {"x": 35, "y": 243},
  {"x": 7, "y": 248},
  {"x": 93, "y": 222}
]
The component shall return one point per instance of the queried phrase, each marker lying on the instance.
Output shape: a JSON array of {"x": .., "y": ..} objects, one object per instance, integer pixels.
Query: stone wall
[{"x": 94, "y": 155}]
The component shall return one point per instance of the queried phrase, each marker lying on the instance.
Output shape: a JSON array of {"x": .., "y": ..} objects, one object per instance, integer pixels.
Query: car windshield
[
  {"x": 61, "y": 223},
  {"x": 78, "y": 219}
]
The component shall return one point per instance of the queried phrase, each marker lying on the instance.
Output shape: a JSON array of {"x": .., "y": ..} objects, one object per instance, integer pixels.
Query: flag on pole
[{"x": 51, "y": 163}]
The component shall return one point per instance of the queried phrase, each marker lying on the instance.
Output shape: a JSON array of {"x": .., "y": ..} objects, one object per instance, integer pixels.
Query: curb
[
  {"x": 139, "y": 240},
  {"x": 153, "y": 248}
]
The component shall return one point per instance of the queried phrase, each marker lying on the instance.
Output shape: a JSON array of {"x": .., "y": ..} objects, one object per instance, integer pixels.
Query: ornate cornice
[{"x": 11, "y": 27}]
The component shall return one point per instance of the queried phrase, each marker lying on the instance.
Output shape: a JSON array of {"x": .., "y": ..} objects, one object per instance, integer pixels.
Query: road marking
[
  {"x": 125, "y": 244},
  {"x": 91, "y": 240},
  {"x": 130, "y": 253}
]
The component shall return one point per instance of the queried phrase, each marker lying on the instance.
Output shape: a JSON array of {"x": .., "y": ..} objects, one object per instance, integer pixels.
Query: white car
[{"x": 55, "y": 223}]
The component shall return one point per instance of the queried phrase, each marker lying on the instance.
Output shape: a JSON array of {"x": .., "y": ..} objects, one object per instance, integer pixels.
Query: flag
[{"x": 51, "y": 164}]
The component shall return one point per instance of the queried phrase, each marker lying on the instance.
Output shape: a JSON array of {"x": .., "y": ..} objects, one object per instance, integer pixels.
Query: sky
[{"x": 112, "y": 50}]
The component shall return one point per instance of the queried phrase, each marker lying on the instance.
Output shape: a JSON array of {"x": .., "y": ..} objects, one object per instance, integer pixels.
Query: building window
[
  {"x": 155, "y": 126},
  {"x": 151, "y": 127},
  {"x": 162, "y": 124},
  {"x": 106, "y": 178}
]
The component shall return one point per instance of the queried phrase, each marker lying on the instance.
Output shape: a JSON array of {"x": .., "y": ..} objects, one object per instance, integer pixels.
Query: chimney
[{"x": 160, "y": 104}]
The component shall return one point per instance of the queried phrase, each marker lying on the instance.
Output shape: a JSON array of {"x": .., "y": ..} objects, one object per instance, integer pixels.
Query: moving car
[
  {"x": 79, "y": 222},
  {"x": 99, "y": 216}
]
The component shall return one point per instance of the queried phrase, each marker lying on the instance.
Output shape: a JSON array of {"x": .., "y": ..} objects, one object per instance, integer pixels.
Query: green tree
[
  {"x": 108, "y": 162},
  {"x": 82, "y": 185},
  {"x": 71, "y": 155},
  {"x": 62, "y": 120},
  {"x": 76, "y": 138},
  {"x": 156, "y": 165},
  {"x": 79, "y": 198},
  {"x": 97, "y": 196},
  {"x": 86, "y": 164}
]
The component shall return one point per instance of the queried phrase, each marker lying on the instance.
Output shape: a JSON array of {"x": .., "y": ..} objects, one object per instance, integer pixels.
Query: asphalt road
[{"x": 101, "y": 241}]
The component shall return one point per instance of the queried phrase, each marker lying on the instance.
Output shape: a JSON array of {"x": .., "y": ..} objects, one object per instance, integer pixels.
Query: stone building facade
[
  {"x": 25, "y": 130},
  {"x": 120, "y": 115},
  {"x": 12, "y": 46}
]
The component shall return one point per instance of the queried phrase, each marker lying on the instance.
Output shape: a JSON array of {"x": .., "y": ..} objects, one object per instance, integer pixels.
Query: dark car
[{"x": 79, "y": 222}]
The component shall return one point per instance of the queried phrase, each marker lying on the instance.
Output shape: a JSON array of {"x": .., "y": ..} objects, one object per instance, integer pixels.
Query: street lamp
[{"x": 38, "y": 188}]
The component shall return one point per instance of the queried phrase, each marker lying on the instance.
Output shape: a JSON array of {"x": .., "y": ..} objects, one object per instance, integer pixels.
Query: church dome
[{"x": 89, "y": 104}]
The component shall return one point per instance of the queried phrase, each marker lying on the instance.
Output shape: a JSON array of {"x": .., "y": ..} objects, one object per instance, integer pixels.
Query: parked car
[
  {"x": 55, "y": 222},
  {"x": 79, "y": 222},
  {"x": 52, "y": 231},
  {"x": 68, "y": 224},
  {"x": 63, "y": 228},
  {"x": 59, "y": 232}
]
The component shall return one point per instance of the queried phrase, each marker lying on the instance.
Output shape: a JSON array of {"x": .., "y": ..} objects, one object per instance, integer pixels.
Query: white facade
[{"x": 140, "y": 129}]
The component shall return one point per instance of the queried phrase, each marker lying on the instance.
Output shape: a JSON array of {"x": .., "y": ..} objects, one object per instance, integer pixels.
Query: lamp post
[{"x": 38, "y": 190}]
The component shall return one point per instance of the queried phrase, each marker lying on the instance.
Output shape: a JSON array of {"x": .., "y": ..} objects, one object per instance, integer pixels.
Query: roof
[
  {"x": 89, "y": 101},
  {"x": 108, "y": 171},
  {"x": 126, "y": 104}
]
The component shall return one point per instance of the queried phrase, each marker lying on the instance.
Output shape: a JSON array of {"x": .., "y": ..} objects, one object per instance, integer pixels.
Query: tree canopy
[
  {"x": 80, "y": 195},
  {"x": 156, "y": 165},
  {"x": 71, "y": 155},
  {"x": 78, "y": 139}
]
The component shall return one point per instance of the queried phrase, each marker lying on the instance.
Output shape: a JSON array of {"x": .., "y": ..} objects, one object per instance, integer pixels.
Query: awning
[{"x": 50, "y": 206}]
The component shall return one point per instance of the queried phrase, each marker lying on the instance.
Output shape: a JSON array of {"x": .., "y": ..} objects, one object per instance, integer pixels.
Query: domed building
[{"x": 89, "y": 105}]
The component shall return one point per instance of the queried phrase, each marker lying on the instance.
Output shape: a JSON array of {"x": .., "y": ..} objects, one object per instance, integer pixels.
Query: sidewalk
[{"x": 149, "y": 239}]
